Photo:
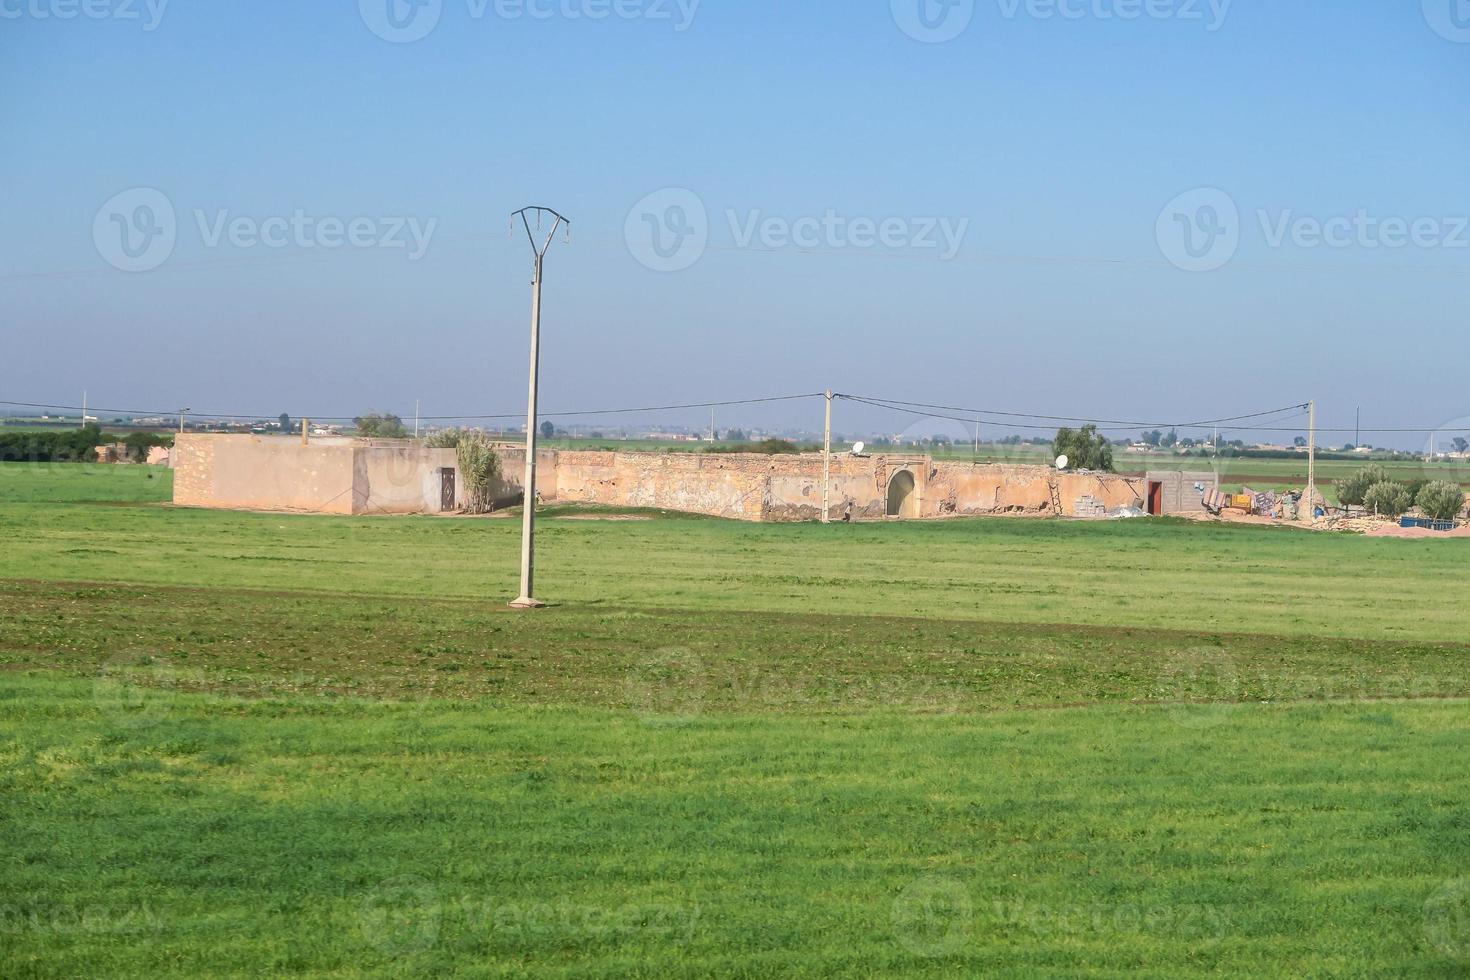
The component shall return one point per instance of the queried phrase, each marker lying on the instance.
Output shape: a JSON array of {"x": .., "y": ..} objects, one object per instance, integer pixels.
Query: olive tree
[
  {"x": 1441, "y": 500},
  {"x": 1351, "y": 490},
  {"x": 1085, "y": 448},
  {"x": 1388, "y": 498}
]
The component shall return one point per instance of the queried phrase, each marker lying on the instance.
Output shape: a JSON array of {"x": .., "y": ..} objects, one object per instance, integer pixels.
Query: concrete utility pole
[
  {"x": 526, "y": 599},
  {"x": 84, "y": 408},
  {"x": 1312, "y": 460},
  {"x": 183, "y": 413},
  {"x": 415, "y": 418},
  {"x": 827, "y": 462}
]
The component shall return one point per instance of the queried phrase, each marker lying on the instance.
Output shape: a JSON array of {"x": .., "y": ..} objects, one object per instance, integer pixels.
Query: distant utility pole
[
  {"x": 415, "y": 418},
  {"x": 712, "y": 424},
  {"x": 526, "y": 599},
  {"x": 1357, "y": 426},
  {"x": 827, "y": 462},
  {"x": 183, "y": 413},
  {"x": 1312, "y": 459},
  {"x": 84, "y": 408},
  {"x": 1215, "y": 448}
]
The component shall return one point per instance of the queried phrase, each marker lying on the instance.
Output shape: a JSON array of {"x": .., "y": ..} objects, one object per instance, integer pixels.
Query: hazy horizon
[{"x": 994, "y": 205}]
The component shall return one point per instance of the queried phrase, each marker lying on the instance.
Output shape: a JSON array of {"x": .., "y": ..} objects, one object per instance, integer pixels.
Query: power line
[
  {"x": 265, "y": 416},
  {"x": 989, "y": 417},
  {"x": 982, "y": 415}
]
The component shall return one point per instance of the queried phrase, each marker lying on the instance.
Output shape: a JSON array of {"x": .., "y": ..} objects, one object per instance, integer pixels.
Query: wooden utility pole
[{"x": 827, "y": 462}]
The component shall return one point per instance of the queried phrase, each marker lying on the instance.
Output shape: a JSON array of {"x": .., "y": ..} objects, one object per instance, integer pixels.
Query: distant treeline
[
  {"x": 50, "y": 447},
  {"x": 73, "y": 445},
  {"x": 1232, "y": 452}
]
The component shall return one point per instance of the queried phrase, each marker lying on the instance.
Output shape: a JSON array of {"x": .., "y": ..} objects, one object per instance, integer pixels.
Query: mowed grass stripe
[
  {"x": 1140, "y": 573},
  {"x": 268, "y": 644}
]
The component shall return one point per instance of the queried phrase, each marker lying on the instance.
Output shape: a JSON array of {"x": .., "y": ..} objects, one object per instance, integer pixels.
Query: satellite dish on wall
[
  {"x": 857, "y": 448},
  {"x": 1062, "y": 462}
]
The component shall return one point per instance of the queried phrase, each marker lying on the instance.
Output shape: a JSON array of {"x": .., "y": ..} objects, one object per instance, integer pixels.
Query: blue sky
[{"x": 1060, "y": 144}]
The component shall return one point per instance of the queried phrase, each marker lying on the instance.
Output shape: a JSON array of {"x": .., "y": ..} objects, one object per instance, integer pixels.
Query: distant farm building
[{"x": 340, "y": 475}]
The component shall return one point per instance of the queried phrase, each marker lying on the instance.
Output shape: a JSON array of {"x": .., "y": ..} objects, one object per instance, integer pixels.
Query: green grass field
[{"x": 252, "y": 743}]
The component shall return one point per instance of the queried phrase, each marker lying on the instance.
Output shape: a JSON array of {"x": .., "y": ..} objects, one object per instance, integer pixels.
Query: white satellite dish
[
  {"x": 1062, "y": 462},
  {"x": 857, "y": 448}
]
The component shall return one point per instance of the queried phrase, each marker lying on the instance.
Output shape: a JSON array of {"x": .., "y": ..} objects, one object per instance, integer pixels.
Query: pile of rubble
[{"x": 1359, "y": 523}]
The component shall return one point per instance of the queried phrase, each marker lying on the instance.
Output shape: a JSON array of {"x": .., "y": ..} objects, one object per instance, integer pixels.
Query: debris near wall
[{"x": 1089, "y": 506}]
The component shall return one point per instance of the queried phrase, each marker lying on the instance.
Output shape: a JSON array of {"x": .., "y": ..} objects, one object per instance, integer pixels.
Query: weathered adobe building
[
  {"x": 339, "y": 475},
  {"x": 330, "y": 475}
]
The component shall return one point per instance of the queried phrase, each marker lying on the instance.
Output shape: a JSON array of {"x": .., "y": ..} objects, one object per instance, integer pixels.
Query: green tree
[
  {"x": 547, "y": 429},
  {"x": 1441, "y": 500},
  {"x": 138, "y": 444},
  {"x": 285, "y": 421},
  {"x": 380, "y": 424},
  {"x": 1351, "y": 490},
  {"x": 1388, "y": 498},
  {"x": 1085, "y": 448}
]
